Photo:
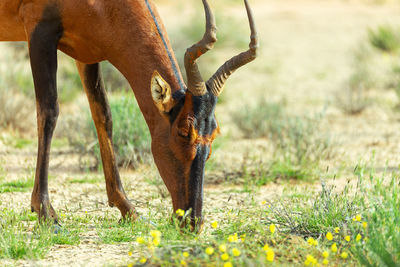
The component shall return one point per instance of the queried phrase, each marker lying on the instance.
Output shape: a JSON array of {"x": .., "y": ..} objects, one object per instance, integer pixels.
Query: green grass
[
  {"x": 235, "y": 231},
  {"x": 381, "y": 206},
  {"x": 298, "y": 216},
  {"x": 17, "y": 241},
  {"x": 22, "y": 185},
  {"x": 302, "y": 220},
  {"x": 111, "y": 232}
]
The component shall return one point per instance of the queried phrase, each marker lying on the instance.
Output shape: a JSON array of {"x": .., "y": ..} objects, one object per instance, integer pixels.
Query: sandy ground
[{"x": 305, "y": 57}]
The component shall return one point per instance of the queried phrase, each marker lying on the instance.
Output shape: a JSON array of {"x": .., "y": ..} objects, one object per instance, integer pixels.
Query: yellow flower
[
  {"x": 272, "y": 228},
  {"x": 233, "y": 238},
  {"x": 358, "y": 217},
  {"x": 222, "y": 248},
  {"x": 210, "y": 250},
  {"x": 185, "y": 254},
  {"x": 155, "y": 234},
  {"x": 214, "y": 224},
  {"x": 235, "y": 252},
  {"x": 263, "y": 202},
  {"x": 156, "y": 241},
  {"x": 364, "y": 225},
  {"x": 243, "y": 237},
  {"x": 325, "y": 254},
  {"x": 329, "y": 236},
  {"x": 266, "y": 247},
  {"x": 270, "y": 255},
  {"x": 358, "y": 237},
  {"x": 228, "y": 264},
  {"x": 225, "y": 257},
  {"x": 347, "y": 238},
  {"x": 337, "y": 230},
  {"x": 325, "y": 262},
  {"x": 312, "y": 242},
  {"x": 130, "y": 253},
  {"x": 180, "y": 212},
  {"x": 143, "y": 260},
  {"x": 183, "y": 263},
  {"x": 130, "y": 265},
  {"x": 344, "y": 255},
  {"x": 334, "y": 248},
  {"x": 140, "y": 240},
  {"x": 310, "y": 260}
]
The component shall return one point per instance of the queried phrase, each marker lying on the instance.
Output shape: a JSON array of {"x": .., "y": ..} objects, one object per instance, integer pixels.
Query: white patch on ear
[{"x": 161, "y": 93}]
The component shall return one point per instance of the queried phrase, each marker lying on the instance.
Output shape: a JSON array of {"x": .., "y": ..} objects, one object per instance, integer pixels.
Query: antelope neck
[{"x": 174, "y": 67}]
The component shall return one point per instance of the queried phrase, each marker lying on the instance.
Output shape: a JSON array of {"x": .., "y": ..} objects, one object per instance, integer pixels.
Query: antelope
[{"x": 130, "y": 35}]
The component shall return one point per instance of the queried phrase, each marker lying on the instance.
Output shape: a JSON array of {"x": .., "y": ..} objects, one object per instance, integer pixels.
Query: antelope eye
[{"x": 183, "y": 133}]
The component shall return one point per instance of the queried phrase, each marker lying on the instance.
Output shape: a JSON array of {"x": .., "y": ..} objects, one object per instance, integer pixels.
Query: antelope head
[{"x": 181, "y": 150}]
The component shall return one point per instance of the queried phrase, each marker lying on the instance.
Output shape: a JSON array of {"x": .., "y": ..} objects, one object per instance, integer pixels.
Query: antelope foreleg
[{"x": 43, "y": 43}]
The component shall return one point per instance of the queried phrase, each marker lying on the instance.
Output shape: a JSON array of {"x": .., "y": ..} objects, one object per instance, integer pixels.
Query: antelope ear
[{"x": 161, "y": 93}]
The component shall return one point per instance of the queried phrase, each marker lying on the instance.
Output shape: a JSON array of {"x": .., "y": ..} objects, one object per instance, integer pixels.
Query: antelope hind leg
[{"x": 101, "y": 114}]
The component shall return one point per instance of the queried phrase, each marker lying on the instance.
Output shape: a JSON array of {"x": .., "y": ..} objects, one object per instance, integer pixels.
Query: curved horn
[
  {"x": 195, "y": 82},
  {"x": 217, "y": 81}
]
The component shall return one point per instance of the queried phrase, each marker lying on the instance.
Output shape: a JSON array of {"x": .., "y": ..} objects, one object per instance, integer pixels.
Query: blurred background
[{"x": 323, "y": 94}]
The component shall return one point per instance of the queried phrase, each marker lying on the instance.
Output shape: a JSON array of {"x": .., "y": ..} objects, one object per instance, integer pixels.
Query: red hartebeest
[{"x": 130, "y": 35}]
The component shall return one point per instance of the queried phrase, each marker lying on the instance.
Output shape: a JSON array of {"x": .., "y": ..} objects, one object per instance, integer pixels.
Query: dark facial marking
[
  {"x": 174, "y": 112},
  {"x": 205, "y": 125},
  {"x": 203, "y": 109},
  {"x": 196, "y": 180}
]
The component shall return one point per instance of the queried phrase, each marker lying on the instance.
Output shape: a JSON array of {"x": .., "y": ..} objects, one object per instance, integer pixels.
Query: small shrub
[
  {"x": 352, "y": 99},
  {"x": 382, "y": 215},
  {"x": 298, "y": 143},
  {"x": 385, "y": 38},
  {"x": 20, "y": 78},
  {"x": 327, "y": 210},
  {"x": 69, "y": 84},
  {"x": 396, "y": 79},
  {"x": 130, "y": 135},
  {"x": 261, "y": 120},
  {"x": 16, "y": 110}
]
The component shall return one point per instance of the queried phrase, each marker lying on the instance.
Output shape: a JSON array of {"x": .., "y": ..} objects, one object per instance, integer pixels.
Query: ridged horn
[
  {"x": 195, "y": 82},
  {"x": 217, "y": 81}
]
